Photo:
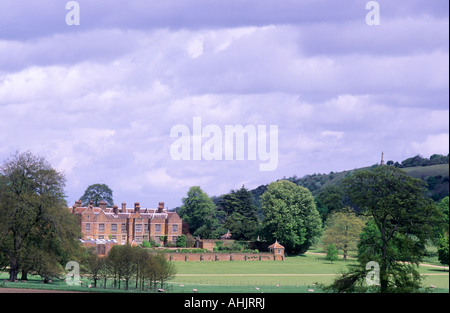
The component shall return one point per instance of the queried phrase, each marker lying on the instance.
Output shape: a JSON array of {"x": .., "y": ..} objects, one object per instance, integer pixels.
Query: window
[
  {"x": 146, "y": 228},
  {"x": 87, "y": 227},
  {"x": 174, "y": 228},
  {"x": 138, "y": 228},
  {"x": 279, "y": 251},
  {"x": 157, "y": 228},
  {"x": 124, "y": 228},
  {"x": 113, "y": 228},
  {"x": 101, "y": 228}
]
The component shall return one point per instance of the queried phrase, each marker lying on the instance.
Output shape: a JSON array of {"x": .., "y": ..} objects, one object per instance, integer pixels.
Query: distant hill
[{"x": 436, "y": 176}]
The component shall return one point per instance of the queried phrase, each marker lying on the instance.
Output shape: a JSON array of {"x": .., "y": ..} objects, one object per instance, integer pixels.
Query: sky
[{"x": 98, "y": 100}]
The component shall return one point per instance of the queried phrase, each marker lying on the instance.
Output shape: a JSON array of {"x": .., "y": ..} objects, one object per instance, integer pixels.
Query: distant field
[{"x": 426, "y": 171}]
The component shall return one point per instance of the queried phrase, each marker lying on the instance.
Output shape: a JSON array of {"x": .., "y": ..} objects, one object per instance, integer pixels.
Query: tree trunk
[
  {"x": 24, "y": 275},
  {"x": 13, "y": 274},
  {"x": 13, "y": 269}
]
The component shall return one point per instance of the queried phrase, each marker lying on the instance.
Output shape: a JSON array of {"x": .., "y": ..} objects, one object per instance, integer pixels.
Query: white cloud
[
  {"x": 333, "y": 134},
  {"x": 433, "y": 144}
]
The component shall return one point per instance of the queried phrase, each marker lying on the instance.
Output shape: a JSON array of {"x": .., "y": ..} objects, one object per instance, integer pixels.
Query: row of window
[
  {"x": 138, "y": 239},
  {"x": 137, "y": 228}
]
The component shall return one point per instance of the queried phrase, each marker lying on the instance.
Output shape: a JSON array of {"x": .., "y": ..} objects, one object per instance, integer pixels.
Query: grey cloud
[
  {"x": 99, "y": 100},
  {"x": 25, "y": 18}
]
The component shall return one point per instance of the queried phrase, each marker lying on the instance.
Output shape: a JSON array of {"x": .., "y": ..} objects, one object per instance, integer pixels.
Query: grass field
[
  {"x": 426, "y": 171},
  {"x": 294, "y": 275}
]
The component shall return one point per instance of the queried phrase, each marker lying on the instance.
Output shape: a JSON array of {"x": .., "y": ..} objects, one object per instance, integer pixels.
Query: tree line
[
  {"x": 381, "y": 213},
  {"x": 288, "y": 213},
  {"x": 419, "y": 160},
  {"x": 125, "y": 265}
]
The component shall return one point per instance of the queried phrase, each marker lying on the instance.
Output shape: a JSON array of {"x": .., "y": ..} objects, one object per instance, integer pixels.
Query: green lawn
[{"x": 294, "y": 275}]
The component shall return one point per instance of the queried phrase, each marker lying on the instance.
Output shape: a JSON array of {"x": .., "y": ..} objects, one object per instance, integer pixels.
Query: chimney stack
[
  {"x": 102, "y": 205},
  {"x": 115, "y": 209},
  {"x": 124, "y": 207},
  {"x": 161, "y": 207},
  {"x": 136, "y": 207}
]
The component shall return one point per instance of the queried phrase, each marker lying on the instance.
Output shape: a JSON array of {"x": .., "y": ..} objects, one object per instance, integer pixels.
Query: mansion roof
[{"x": 124, "y": 213}]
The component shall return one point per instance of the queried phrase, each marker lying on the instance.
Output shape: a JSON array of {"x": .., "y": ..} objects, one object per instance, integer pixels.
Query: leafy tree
[
  {"x": 329, "y": 199},
  {"x": 332, "y": 253},
  {"x": 34, "y": 215},
  {"x": 140, "y": 257},
  {"x": 164, "y": 270},
  {"x": 418, "y": 160},
  {"x": 97, "y": 193},
  {"x": 241, "y": 214},
  {"x": 126, "y": 262},
  {"x": 401, "y": 221},
  {"x": 113, "y": 264},
  {"x": 131, "y": 264},
  {"x": 290, "y": 216},
  {"x": 443, "y": 206},
  {"x": 212, "y": 229},
  {"x": 443, "y": 250},
  {"x": 343, "y": 229},
  {"x": 198, "y": 210},
  {"x": 441, "y": 230},
  {"x": 94, "y": 265}
]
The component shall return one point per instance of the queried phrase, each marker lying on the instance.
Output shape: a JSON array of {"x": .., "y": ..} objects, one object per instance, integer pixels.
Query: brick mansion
[{"x": 127, "y": 225}]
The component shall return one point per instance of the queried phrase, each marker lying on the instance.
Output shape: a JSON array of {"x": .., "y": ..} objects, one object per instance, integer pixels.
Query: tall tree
[
  {"x": 241, "y": 219},
  {"x": 33, "y": 212},
  {"x": 343, "y": 230},
  {"x": 329, "y": 199},
  {"x": 97, "y": 193},
  {"x": 443, "y": 206},
  {"x": 290, "y": 216},
  {"x": 95, "y": 265},
  {"x": 401, "y": 220},
  {"x": 197, "y": 209},
  {"x": 443, "y": 250}
]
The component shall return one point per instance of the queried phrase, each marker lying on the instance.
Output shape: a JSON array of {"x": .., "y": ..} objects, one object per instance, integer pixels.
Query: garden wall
[{"x": 220, "y": 257}]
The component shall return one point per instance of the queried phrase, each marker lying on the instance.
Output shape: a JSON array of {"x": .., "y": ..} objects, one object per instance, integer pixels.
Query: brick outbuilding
[{"x": 277, "y": 250}]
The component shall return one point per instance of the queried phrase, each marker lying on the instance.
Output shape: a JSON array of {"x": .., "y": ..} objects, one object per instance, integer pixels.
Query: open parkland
[{"x": 296, "y": 274}]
